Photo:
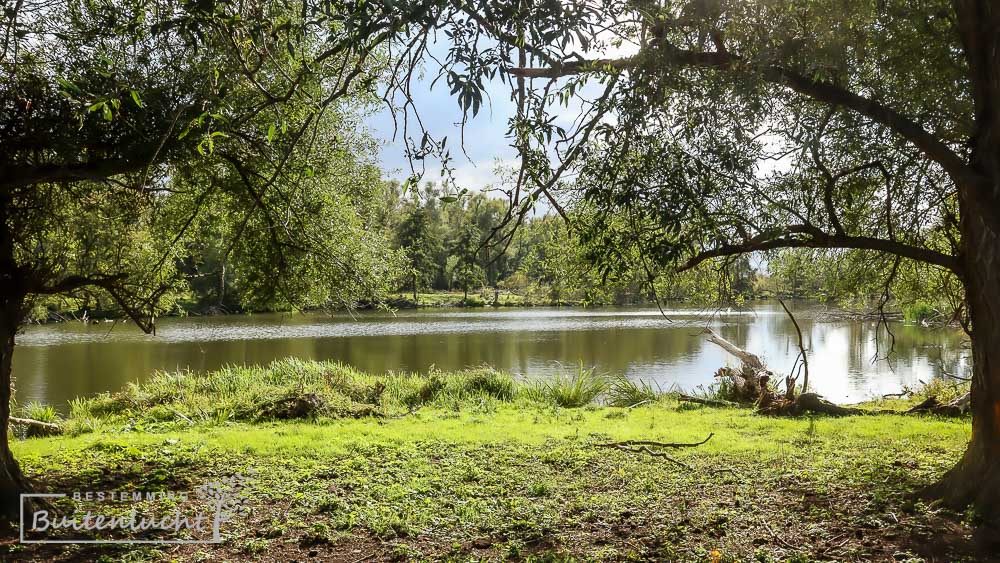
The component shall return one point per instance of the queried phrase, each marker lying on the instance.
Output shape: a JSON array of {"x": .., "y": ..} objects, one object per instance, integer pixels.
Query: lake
[{"x": 56, "y": 362}]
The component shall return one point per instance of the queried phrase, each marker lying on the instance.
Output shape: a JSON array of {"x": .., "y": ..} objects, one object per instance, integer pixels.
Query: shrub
[
  {"x": 496, "y": 384},
  {"x": 919, "y": 311},
  {"x": 427, "y": 392},
  {"x": 41, "y": 413}
]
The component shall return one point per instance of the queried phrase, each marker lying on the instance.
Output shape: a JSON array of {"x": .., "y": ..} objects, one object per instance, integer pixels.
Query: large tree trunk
[
  {"x": 13, "y": 294},
  {"x": 12, "y": 304},
  {"x": 12, "y": 482},
  {"x": 975, "y": 480}
]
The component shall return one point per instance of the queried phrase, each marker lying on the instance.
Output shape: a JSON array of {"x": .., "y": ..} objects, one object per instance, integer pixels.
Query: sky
[
  {"x": 485, "y": 140},
  {"x": 485, "y": 135}
]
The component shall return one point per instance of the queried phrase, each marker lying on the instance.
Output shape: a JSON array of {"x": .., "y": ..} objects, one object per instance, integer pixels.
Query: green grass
[
  {"x": 579, "y": 388},
  {"x": 623, "y": 392},
  {"x": 475, "y": 465},
  {"x": 737, "y": 431},
  {"x": 249, "y": 394}
]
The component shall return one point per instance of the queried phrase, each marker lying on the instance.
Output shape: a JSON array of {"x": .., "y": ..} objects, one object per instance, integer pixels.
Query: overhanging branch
[
  {"x": 818, "y": 90},
  {"x": 803, "y": 236},
  {"x": 94, "y": 170},
  {"x": 73, "y": 283}
]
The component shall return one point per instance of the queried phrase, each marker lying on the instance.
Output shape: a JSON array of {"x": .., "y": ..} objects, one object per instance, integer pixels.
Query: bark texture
[
  {"x": 12, "y": 302},
  {"x": 975, "y": 480}
]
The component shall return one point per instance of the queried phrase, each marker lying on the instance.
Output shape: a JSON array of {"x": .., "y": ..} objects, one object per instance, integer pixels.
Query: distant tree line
[{"x": 456, "y": 245}]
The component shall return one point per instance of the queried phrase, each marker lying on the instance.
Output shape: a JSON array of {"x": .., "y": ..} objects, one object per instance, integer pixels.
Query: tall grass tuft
[
  {"x": 42, "y": 413},
  {"x": 623, "y": 392},
  {"x": 497, "y": 384},
  {"x": 580, "y": 388},
  {"x": 293, "y": 388}
]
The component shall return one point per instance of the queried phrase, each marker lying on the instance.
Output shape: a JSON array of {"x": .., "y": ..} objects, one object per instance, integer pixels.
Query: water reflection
[{"x": 54, "y": 363}]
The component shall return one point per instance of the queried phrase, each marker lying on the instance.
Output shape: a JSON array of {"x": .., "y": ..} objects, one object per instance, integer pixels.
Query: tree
[
  {"x": 718, "y": 128},
  {"x": 128, "y": 124},
  {"x": 416, "y": 236},
  {"x": 467, "y": 271}
]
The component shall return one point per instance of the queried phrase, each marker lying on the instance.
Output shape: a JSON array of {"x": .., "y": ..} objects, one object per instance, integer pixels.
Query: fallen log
[
  {"x": 751, "y": 382},
  {"x": 814, "y": 403},
  {"x": 751, "y": 387},
  {"x": 748, "y": 359},
  {"x": 709, "y": 402},
  {"x": 931, "y": 405},
  {"x": 37, "y": 427}
]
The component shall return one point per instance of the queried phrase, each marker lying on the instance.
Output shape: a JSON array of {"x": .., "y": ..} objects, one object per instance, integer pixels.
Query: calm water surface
[{"x": 54, "y": 363}]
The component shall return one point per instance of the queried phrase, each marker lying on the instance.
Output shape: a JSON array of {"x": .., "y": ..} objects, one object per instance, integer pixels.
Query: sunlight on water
[{"x": 56, "y": 362}]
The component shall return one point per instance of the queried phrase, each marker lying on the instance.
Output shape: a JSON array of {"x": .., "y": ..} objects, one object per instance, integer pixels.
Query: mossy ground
[{"x": 471, "y": 472}]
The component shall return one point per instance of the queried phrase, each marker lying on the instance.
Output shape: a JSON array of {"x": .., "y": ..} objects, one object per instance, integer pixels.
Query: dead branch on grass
[{"x": 645, "y": 447}]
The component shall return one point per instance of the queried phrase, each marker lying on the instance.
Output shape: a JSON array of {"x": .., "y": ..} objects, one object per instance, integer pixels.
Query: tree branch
[
  {"x": 789, "y": 237},
  {"x": 94, "y": 170},
  {"x": 818, "y": 90},
  {"x": 72, "y": 283}
]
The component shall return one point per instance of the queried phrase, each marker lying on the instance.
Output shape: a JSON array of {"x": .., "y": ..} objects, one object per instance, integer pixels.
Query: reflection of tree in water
[{"x": 642, "y": 347}]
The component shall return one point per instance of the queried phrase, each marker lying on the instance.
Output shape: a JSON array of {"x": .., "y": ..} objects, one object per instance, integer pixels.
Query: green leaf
[
  {"x": 271, "y": 130},
  {"x": 107, "y": 113},
  {"x": 135, "y": 98},
  {"x": 67, "y": 85}
]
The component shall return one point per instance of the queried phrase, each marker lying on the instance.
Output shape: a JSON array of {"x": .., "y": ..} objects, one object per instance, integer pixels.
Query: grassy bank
[{"x": 475, "y": 465}]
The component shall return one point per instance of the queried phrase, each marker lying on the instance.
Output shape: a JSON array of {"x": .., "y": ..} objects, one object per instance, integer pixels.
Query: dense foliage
[
  {"x": 139, "y": 139},
  {"x": 459, "y": 246}
]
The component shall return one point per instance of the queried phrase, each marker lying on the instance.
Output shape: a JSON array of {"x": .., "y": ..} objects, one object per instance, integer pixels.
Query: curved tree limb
[
  {"x": 790, "y": 237},
  {"x": 802, "y": 354},
  {"x": 656, "y": 444},
  {"x": 819, "y": 90}
]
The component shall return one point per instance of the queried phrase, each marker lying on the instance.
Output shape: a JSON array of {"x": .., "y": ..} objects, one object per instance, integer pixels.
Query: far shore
[{"x": 818, "y": 310}]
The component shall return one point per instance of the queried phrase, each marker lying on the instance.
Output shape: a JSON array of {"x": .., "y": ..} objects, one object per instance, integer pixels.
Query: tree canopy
[
  {"x": 137, "y": 124},
  {"x": 130, "y": 126}
]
